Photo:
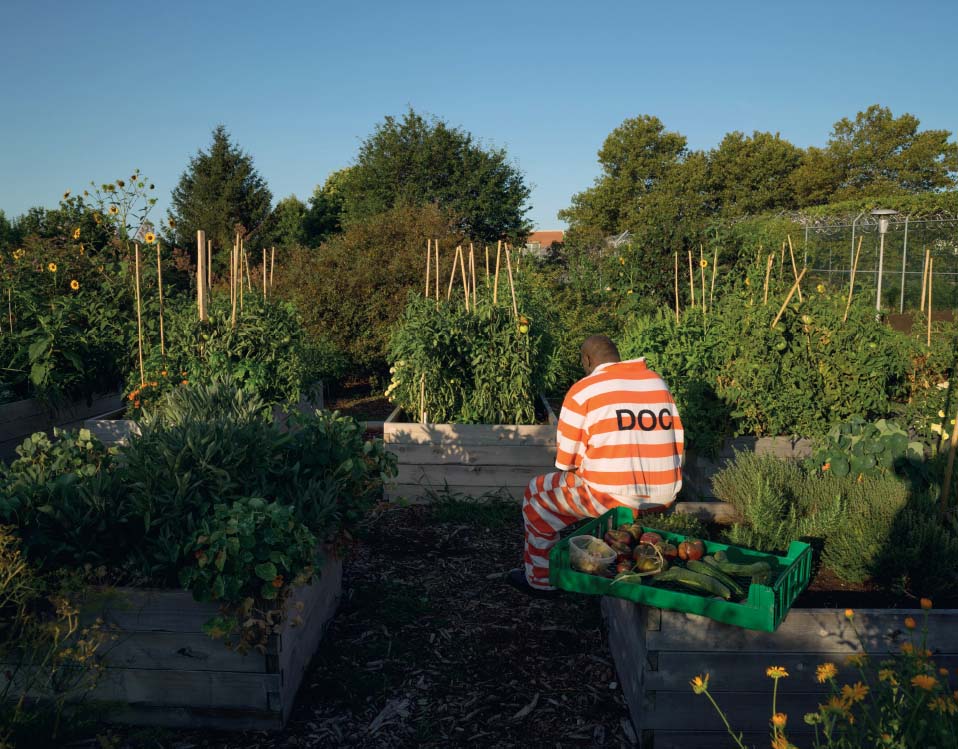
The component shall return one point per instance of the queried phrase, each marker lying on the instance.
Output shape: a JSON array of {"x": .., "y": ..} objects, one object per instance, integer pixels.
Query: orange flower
[
  {"x": 76, "y": 233},
  {"x": 826, "y": 466},
  {"x": 185, "y": 382},
  {"x": 52, "y": 267},
  {"x": 856, "y": 659},
  {"x": 855, "y": 693},
  {"x": 277, "y": 581},
  {"x": 849, "y": 613},
  {"x": 779, "y": 720},
  {"x": 925, "y": 603},
  {"x": 776, "y": 672},
  {"x": 910, "y": 623},
  {"x": 136, "y": 404},
  {"x": 907, "y": 648},
  {"x": 825, "y": 672},
  {"x": 924, "y": 681},
  {"x": 886, "y": 674},
  {"x": 943, "y": 671},
  {"x": 162, "y": 373},
  {"x": 700, "y": 684},
  {"x": 779, "y": 742},
  {"x": 74, "y": 284}
]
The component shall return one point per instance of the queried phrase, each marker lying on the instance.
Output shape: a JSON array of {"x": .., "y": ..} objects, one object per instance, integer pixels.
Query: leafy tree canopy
[
  {"x": 412, "y": 161},
  {"x": 219, "y": 192},
  {"x": 324, "y": 216}
]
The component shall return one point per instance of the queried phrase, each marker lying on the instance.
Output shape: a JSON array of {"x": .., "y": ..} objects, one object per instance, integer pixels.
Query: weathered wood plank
[
  {"x": 806, "y": 630},
  {"x": 225, "y": 719},
  {"x": 743, "y": 672},
  {"x": 721, "y": 740},
  {"x": 112, "y": 431},
  {"x": 148, "y": 610},
  {"x": 420, "y": 494},
  {"x": 468, "y": 434},
  {"x": 192, "y": 651},
  {"x": 627, "y": 624},
  {"x": 746, "y": 711},
  {"x": 480, "y": 455},
  {"x": 192, "y": 689},
  {"x": 476, "y": 476}
]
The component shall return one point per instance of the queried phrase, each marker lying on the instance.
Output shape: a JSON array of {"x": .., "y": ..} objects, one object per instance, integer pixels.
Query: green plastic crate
[{"x": 764, "y": 609}]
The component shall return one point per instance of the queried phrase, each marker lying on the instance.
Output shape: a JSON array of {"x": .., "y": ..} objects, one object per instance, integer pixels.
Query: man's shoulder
[{"x": 635, "y": 369}]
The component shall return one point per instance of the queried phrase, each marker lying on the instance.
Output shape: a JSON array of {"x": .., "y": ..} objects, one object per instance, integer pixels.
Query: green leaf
[
  {"x": 38, "y": 348},
  {"x": 266, "y": 571}
]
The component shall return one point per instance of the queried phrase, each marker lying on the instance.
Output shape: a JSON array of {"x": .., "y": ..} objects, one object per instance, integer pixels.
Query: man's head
[{"x": 597, "y": 350}]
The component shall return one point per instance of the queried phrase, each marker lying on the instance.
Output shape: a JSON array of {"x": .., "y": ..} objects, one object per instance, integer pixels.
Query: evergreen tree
[{"x": 221, "y": 193}]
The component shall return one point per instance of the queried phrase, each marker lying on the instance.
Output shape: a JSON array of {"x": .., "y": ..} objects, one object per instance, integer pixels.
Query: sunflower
[
  {"x": 150, "y": 237},
  {"x": 75, "y": 285},
  {"x": 66, "y": 195},
  {"x": 18, "y": 253},
  {"x": 114, "y": 210},
  {"x": 98, "y": 218},
  {"x": 924, "y": 681},
  {"x": 52, "y": 267},
  {"x": 172, "y": 223},
  {"x": 120, "y": 183},
  {"x": 703, "y": 263},
  {"x": 825, "y": 672},
  {"x": 76, "y": 233},
  {"x": 776, "y": 672}
]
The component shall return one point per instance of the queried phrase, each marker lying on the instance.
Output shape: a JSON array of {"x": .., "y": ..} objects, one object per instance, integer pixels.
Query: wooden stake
[
  {"x": 487, "y": 263},
  {"x": 139, "y": 316},
  {"x": 272, "y": 262},
  {"x": 428, "y": 264},
  {"x": 931, "y": 277},
  {"x": 702, "y": 269},
  {"x": 781, "y": 264},
  {"x": 249, "y": 276},
  {"x": 924, "y": 278},
  {"x": 676, "y": 287},
  {"x": 495, "y": 285},
  {"x": 234, "y": 260},
  {"x": 949, "y": 467},
  {"x": 159, "y": 283},
  {"x": 240, "y": 256},
  {"x": 209, "y": 267},
  {"x": 422, "y": 399},
  {"x": 512, "y": 288},
  {"x": 851, "y": 280},
  {"x": 768, "y": 274},
  {"x": 791, "y": 254},
  {"x": 452, "y": 276},
  {"x": 472, "y": 273},
  {"x": 795, "y": 285},
  {"x": 10, "y": 308},
  {"x": 714, "y": 271},
  {"x": 465, "y": 278},
  {"x": 691, "y": 279},
  {"x": 437, "y": 273},
  {"x": 264, "y": 274},
  {"x": 201, "y": 289}
]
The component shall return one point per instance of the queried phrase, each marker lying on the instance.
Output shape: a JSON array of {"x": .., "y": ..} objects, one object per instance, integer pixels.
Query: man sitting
[{"x": 620, "y": 444}]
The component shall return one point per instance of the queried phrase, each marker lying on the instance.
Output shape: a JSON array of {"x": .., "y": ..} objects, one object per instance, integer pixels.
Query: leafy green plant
[
  {"x": 675, "y": 522},
  {"x": 479, "y": 365},
  {"x": 863, "y": 448}
]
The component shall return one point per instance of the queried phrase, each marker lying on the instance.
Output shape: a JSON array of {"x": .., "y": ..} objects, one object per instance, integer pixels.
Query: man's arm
[{"x": 571, "y": 437}]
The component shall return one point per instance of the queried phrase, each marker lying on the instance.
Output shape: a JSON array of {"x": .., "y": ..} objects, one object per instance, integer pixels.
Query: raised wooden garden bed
[
  {"x": 163, "y": 670},
  {"x": 658, "y": 652},
  {"x": 20, "y": 419},
  {"x": 469, "y": 459}
]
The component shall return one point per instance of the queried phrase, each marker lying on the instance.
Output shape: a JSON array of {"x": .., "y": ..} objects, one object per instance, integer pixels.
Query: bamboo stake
[
  {"x": 234, "y": 257},
  {"x": 949, "y": 467},
  {"x": 201, "y": 275},
  {"x": 472, "y": 274},
  {"x": 691, "y": 279},
  {"x": 249, "y": 276},
  {"x": 452, "y": 276},
  {"x": 791, "y": 254},
  {"x": 931, "y": 276},
  {"x": 422, "y": 399},
  {"x": 209, "y": 267},
  {"x": 851, "y": 280},
  {"x": 428, "y": 263},
  {"x": 437, "y": 273},
  {"x": 495, "y": 285},
  {"x": 10, "y": 308},
  {"x": 714, "y": 272},
  {"x": 702, "y": 269},
  {"x": 241, "y": 253},
  {"x": 264, "y": 274},
  {"x": 272, "y": 262},
  {"x": 512, "y": 288},
  {"x": 465, "y": 279},
  {"x": 768, "y": 274},
  {"x": 487, "y": 263},
  {"x": 159, "y": 283},
  {"x": 139, "y": 316},
  {"x": 791, "y": 293},
  {"x": 781, "y": 264},
  {"x": 924, "y": 278},
  {"x": 676, "y": 287}
]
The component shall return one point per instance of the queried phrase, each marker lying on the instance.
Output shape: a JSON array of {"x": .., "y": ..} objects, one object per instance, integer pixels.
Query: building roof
[{"x": 545, "y": 238}]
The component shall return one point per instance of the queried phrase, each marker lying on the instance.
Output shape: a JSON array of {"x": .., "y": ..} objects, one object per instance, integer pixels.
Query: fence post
[{"x": 904, "y": 259}]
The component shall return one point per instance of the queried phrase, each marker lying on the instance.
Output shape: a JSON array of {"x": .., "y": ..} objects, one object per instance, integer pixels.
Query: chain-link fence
[{"x": 829, "y": 251}]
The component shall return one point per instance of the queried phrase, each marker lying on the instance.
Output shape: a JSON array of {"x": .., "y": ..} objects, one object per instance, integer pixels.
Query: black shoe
[{"x": 517, "y": 579}]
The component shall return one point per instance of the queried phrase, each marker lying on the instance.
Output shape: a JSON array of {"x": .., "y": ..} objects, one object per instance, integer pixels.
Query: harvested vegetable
[{"x": 694, "y": 581}]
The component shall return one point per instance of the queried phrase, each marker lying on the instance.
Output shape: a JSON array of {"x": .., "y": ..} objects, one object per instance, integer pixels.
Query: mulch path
[{"x": 430, "y": 648}]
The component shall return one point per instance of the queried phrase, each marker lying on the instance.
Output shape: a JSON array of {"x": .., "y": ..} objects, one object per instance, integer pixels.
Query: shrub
[
  {"x": 861, "y": 448},
  {"x": 674, "y": 522},
  {"x": 471, "y": 366}
]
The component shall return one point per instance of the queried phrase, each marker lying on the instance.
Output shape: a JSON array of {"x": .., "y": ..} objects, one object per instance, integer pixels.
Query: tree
[
  {"x": 219, "y": 192},
  {"x": 417, "y": 162},
  {"x": 324, "y": 216},
  {"x": 285, "y": 225},
  {"x": 9, "y": 236},
  {"x": 750, "y": 174},
  {"x": 635, "y": 157}
]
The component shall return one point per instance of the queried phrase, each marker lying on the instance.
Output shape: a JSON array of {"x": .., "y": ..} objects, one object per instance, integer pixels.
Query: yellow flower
[
  {"x": 924, "y": 681},
  {"x": 74, "y": 284},
  {"x": 779, "y": 720},
  {"x": 703, "y": 263},
  {"x": 887, "y": 674},
  {"x": 76, "y": 233},
  {"x": 52, "y": 267},
  {"x": 18, "y": 253},
  {"x": 748, "y": 282},
  {"x": 621, "y": 260},
  {"x": 776, "y": 672},
  {"x": 172, "y": 223},
  {"x": 941, "y": 705},
  {"x": 779, "y": 742},
  {"x": 907, "y": 648},
  {"x": 82, "y": 248},
  {"x": 150, "y": 237},
  {"x": 629, "y": 291},
  {"x": 855, "y": 693},
  {"x": 926, "y": 602},
  {"x": 856, "y": 659},
  {"x": 114, "y": 210},
  {"x": 836, "y": 704},
  {"x": 66, "y": 195},
  {"x": 910, "y": 623},
  {"x": 700, "y": 684},
  {"x": 941, "y": 414},
  {"x": 820, "y": 288},
  {"x": 849, "y": 613},
  {"x": 825, "y": 672},
  {"x": 943, "y": 671}
]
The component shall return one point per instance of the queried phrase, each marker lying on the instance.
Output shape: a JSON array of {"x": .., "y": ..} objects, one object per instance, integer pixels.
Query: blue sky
[{"x": 91, "y": 90}]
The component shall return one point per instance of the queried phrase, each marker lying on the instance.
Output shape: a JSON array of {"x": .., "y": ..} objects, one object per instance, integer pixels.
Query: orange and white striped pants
[{"x": 552, "y": 502}]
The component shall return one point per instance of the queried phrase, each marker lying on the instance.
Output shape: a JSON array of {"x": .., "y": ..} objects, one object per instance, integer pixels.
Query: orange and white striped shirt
[{"x": 620, "y": 431}]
